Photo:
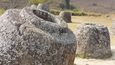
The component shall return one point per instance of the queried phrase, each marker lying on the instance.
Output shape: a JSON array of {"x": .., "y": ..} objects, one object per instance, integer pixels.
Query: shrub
[
  {"x": 79, "y": 14},
  {"x": 2, "y": 11},
  {"x": 36, "y": 2},
  {"x": 76, "y": 12},
  {"x": 54, "y": 11},
  {"x": 94, "y": 4},
  {"x": 73, "y": 12}
]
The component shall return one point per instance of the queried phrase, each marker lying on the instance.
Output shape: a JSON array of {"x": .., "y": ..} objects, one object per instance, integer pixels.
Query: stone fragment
[{"x": 66, "y": 16}]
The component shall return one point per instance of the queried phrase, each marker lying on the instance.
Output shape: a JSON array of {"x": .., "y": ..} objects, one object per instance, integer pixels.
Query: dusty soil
[
  {"x": 104, "y": 20},
  {"x": 109, "y": 61}
]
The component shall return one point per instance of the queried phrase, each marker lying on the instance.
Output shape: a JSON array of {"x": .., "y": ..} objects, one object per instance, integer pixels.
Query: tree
[
  {"x": 61, "y": 5},
  {"x": 36, "y": 2},
  {"x": 67, "y": 4}
]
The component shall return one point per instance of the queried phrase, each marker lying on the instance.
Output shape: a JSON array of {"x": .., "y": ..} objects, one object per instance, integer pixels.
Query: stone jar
[
  {"x": 93, "y": 41},
  {"x": 35, "y": 37}
]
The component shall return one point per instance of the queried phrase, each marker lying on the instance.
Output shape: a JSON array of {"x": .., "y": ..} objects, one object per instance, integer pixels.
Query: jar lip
[
  {"x": 59, "y": 31},
  {"x": 44, "y": 15},
  {"x": 38, "y": 14},
  {"x": 27, "y": 12}
]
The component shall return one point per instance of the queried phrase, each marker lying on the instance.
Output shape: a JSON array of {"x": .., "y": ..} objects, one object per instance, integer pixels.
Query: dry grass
[
  {"x": 2, "y": 11},
  {"x": 104, "y": 20}
]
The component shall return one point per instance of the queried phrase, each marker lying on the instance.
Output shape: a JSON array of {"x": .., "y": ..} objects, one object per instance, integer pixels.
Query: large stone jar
[
  {"x": 93, "y": 41},
  {"x": 35, "y": 37}
]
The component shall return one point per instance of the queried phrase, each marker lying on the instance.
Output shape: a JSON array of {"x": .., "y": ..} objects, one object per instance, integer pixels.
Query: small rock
[
  {"x": 66, "y": 16},
  {"x": 87, "y": 64}
]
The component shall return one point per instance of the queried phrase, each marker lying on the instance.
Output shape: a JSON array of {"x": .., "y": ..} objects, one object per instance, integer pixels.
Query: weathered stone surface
[
  {"x": 93, "y": 41},
  {"x": 43, "y": 7},
  {"x": 29, "y": 38},
  {"x": 66, "y": 16},
  {"x": 33, "y": 6}
]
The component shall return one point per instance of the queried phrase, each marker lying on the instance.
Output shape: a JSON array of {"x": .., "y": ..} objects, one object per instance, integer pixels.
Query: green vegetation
[
  {"x": 81, "y": 55},
  {"x": 2, "y": 11},
  {"x": 77, "y": 13},
  {"x": 73, "y": 12},
  {"x": 4, "y": 0},
  {"x": 67, "y": 4},
  {"x": 54, "y": 11},
  {"x": 36, "y": 2}
]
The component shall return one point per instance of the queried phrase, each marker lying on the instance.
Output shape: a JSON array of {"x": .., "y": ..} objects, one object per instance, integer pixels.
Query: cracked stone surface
[
  {"x": 35, "y": 37},
  {"x": 66, "y": 16},
  {"x": 93, "y": 41}
]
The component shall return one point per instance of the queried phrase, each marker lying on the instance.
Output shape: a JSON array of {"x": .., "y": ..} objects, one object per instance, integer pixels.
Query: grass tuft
[{"x": 2, "y": 10}]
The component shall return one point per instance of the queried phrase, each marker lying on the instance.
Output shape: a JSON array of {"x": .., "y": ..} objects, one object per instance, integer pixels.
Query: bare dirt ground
[
  {"x": 109, "y": 61},
  {"x": 104, "y": 20}
]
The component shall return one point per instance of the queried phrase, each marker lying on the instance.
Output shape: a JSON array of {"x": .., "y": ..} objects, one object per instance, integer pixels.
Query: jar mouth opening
[{"x": 43, "y": 15}]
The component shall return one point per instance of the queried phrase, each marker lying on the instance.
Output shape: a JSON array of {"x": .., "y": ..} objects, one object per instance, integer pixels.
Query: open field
[
  {"x": 100, "y": 6},
  {"x": 104, "y": 20},
  {"x": 109, "y": 61}
]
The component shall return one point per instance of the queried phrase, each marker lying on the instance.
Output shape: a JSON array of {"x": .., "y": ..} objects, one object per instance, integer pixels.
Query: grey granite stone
[
  {"x": 66, "y": 16},
  {"x": 33, "y": 6},
  {"x": 35, "y": 37},
  {"x": 93, "y": 41},
  {"x": 43, "y": 7}
]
